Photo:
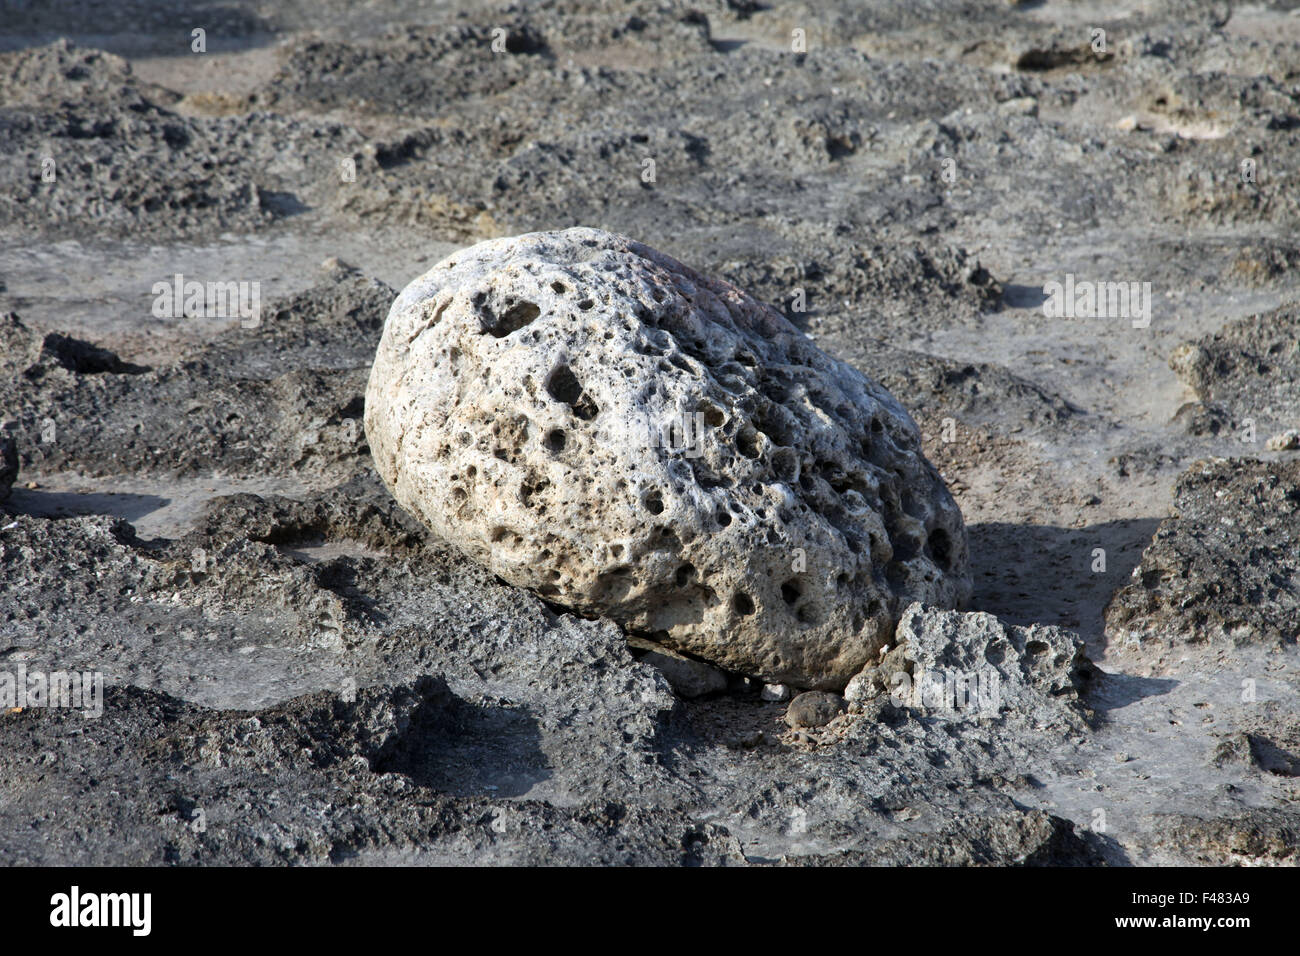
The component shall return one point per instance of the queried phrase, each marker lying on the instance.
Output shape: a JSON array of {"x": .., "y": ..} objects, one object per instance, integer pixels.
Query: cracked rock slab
[{"x": 593, "y": 420}]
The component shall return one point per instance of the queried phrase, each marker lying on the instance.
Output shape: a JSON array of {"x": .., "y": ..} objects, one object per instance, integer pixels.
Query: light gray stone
[
  {"x": 774, "y": 692},
  {"x": 972, "y": 665},
  {"x": 597, "y": 422}
]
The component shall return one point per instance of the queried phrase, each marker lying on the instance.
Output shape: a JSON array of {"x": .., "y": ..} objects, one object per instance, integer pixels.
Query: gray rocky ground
[{"x": 298, "y": 672}]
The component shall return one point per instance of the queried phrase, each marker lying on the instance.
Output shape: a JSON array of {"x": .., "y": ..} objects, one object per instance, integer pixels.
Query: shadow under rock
[
  {"x": 67, "y": 504},
  {"x": 465, "y": 749},
  {"x": 1043, "y": 574},
  {"x": 1112, "y": 691},
  {"x": 1023, "y": 296}
]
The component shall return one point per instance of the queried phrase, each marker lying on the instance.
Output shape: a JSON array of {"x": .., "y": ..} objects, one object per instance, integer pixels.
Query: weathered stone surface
[
  {"x": 971, "y": 665},
  {"x": 595, "y": 421},
  {"x": 1248, "y": 370},
  {"x": 1224, "y": 566},
  {"x": 1255, "y": 837},
  {"x": 226, "y": 405},
  {"x": 557, "y": 746}
]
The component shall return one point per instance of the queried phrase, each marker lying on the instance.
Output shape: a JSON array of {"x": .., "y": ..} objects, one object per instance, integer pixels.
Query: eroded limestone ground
[{"x": 297, "y": 664}]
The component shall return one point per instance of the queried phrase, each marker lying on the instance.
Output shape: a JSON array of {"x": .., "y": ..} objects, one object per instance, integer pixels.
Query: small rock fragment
[
  {"x": 775, "y": 692},
  {"x": 1258, "y": 752},
  {"x": 1020, "y": 106},
  {"x": 1284, "y": 441},
  {"x": 814, "y": 708}
]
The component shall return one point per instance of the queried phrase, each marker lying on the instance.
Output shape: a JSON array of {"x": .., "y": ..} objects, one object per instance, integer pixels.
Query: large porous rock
[{"x": 595, "y": 421}]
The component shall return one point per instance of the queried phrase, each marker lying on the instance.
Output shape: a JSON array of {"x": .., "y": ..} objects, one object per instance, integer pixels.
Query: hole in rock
[
  {"x": 564, "y": 386},
  {"x": 790, "y": 591},
  {"x": 905, "y": 548},
  {"x": 713, "y": 416},
  {"x": 941, "y": 548},
  {"x": 747, "y": 442},
  {"x": 614, "y": 585},
  {"x": 514, "y": 318},
  {"x": 555, "y": 440},
  {"x": 743, "y": 604}
]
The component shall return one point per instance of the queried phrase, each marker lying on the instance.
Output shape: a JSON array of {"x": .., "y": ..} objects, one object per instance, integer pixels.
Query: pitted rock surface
[{"x": 595, "y": 421}]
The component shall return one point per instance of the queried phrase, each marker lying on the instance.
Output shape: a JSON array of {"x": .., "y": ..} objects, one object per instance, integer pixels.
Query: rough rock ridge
[
  {"x": 1224, "y": 567},
  {"x": 593, "y": 420}
]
